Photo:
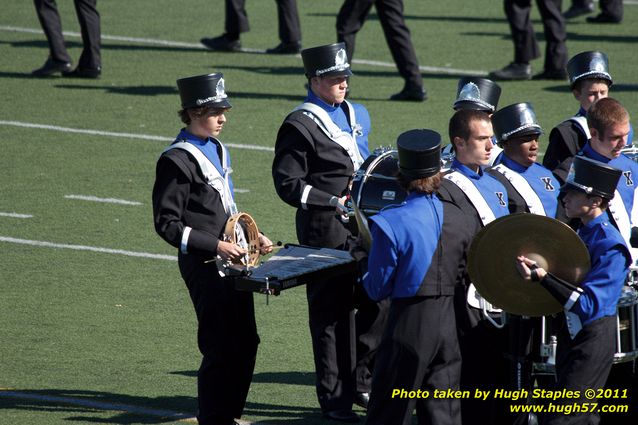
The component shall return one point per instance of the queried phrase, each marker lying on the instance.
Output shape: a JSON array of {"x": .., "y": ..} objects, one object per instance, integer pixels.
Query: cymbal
[{"x": 549, "y": 242}]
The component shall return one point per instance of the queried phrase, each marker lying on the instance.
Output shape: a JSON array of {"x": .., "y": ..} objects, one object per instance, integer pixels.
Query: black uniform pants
[
  {"x": 419, "y": 351},
  {"x": 227, "y": 338},
  {"x": 287, "y": 15},
  {"x": 89, "y": 19},
  {"x": 344, "y": 343},
  {"x": 352, "y": 16},
  {"x": 525, "y": 45},
  {"x": 583, "y": 363}
]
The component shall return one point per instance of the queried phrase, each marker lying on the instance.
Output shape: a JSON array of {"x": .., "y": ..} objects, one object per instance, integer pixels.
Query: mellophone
[{"x": 292, "y": 266}]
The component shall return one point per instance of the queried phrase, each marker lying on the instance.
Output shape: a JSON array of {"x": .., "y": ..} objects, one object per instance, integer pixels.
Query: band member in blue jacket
[
  {"x": 530, "y": 186},
  {"x": 320, "y": 145},
  {"x": 192, "y": 201},
  {"x": 417, "y": 258},
  {"x": 587, "y": 341}
]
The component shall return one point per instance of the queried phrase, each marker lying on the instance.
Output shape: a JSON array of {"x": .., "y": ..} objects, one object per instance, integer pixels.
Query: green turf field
[{"x": 89, "y": 335}]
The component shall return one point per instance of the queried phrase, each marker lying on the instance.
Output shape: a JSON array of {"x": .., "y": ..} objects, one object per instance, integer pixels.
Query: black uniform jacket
[
  {"x": 304, "y": 155},
  {"x": 182, "y": 198},
  {"x": 565, "y": 141}
]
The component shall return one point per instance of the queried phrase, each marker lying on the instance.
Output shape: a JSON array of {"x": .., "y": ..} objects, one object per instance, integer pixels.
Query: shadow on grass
[
  {"x": 110, "y": 408},
  {"x": 463, "y": 19},
  {"x": 290, "y": 378},
  {"x": 126, "y": 90},
  {"x": 616, "y": 88},
  {"x": 356, "y": 69},
  {"x": 571, "y": 36},
  {"x": 93, "y": 406}
]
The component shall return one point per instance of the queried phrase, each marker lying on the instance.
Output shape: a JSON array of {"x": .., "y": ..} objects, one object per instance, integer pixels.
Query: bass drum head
[{"x": 375, "y": 186}]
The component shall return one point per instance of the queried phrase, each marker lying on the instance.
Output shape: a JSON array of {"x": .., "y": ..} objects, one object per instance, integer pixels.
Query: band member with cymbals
[
  {"x": 479, "y": 94},
  {"x": 481, "y": 336},
  {"x": 530, "y": 186},
  {"x": 192, "y": 201},
  {"x": 590, "y": 81},
  {"x": 587, "y": 339},
  {"x": 417, "y": 259},
  {"x": 320, "y": 145}
]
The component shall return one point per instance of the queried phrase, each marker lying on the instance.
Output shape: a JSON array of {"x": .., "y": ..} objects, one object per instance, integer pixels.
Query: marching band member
[
  {"x": 484, "y": 198},
  {"x": 192, "y": 200},
  {"x": 589, "y": 80},
  {"x": 530, "y": 186},
  {"x": 319, "y": 147},
  {"x": 587, "y": 339},
  {"x": 608, "y": 123},
  {"x": 479, "y": 94},
  {"x": 417, "y": 258}
]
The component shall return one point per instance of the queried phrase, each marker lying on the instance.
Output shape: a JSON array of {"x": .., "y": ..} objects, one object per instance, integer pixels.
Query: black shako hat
[
  {"x": 588, "y": 65},
  {"x": 592, "y": 177},
  {"x": 477, "y": 93},
  {"x": 203, "y": 90},
  {"x": 325, "y": 61},
  {"x": 419, "y": 153},
  {"x": 515, "y": 120}
]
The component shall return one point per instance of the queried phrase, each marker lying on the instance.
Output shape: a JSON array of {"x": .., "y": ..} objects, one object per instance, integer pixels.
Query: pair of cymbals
[{"x": 549, "y": 242}]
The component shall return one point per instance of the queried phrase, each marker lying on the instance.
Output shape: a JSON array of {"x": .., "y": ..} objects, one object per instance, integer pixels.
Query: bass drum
[{"x": 374, "y": 186}]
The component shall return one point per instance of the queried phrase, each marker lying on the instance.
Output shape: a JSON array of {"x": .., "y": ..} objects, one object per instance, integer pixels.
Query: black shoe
[
  {"x": 222, "y": 43},
  {"x": 50, "y": 67},
  {"x": 362, "y": 399},
  {"x": 285, "y": 48},
  {"x": 93, "y": 73},
  {"x": 576, "y": 11},
  {"x": 342, "y": 416},
  {"x": 556, "y": 74},
  {"x": 412, "y": 94},
  {"x": 513, "y": 71},
  {"x": 603, "y": 19}
]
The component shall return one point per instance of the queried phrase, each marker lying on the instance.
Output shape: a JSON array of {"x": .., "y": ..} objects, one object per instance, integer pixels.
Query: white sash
[
  {"x": 474, "y": 299},
  {"x": 582, "y": 123},
  {"x": 474, "y": 195},
  {"x": 212, "y": 176},
  {"x": 621, "y": 217},
  {"x": 344, "y": 139},
  {"x": 523, "y": 188}
]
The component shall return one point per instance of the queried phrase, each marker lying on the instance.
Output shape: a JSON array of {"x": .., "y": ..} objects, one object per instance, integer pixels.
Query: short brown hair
[
  {"x": 427, "y": 185},
  {"x": 460, "y": 123},
  {"x": 578, "y": 85},
  {"x": 187, "y": 114},
  {"x": 605, "y": 113}
]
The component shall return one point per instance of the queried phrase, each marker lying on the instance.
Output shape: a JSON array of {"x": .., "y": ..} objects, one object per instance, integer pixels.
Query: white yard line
[
  {"x": 104, "y": 200},
  {"x": 121, "y": 135},
  {"x": 170, "y": 43},
  {"x": 45, "y": 244},
  {"x": 15, "y": 215}
]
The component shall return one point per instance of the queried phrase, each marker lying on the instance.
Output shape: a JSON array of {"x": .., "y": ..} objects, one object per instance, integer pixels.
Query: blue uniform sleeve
[
  {"x": 382, "y": 261},
  {"x": 603, "y": 284}
]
